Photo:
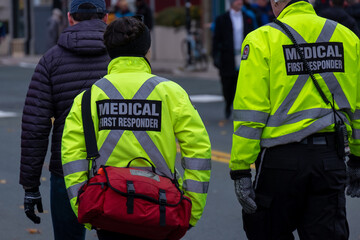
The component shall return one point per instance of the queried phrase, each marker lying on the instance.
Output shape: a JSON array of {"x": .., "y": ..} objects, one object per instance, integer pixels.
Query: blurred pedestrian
[
  {"x": 353, "y": 8},
  {"x": 320, "y": 5},
  {"x": 130, "y": 80},
  {"x": 73, "y": 65},
  {"x": 143, "y": 9},
  {"x": 230, "y": 30},
  {"x": 54, "y": 27},
  {"x": 122, "y": 9},
  {"x": 337, "y": 13},
  {"x": 2, "y": 31},
  {"x": 264, "y": 11}
]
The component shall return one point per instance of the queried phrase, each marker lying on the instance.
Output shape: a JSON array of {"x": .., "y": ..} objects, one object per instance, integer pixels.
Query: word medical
[
  {"x": 322, "y": 57},
  {"x": 135, "y": 115}
]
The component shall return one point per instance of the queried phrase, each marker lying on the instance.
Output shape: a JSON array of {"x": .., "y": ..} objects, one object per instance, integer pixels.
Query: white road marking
[
  {"x": 7, "y": 114},
  {"x": 27, "y": 65},
  {"x": 206, "y": 98}
]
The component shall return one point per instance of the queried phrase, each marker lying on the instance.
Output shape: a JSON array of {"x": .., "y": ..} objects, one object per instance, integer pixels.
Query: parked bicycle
[{"x": 194, "y": 52}]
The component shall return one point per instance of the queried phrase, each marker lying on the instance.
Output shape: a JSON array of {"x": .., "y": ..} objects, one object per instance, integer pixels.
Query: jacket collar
[
  {"x": 297, "y": 7},
  {"x": 294, "y": 1},
  {"x": 128, "y": 65}
]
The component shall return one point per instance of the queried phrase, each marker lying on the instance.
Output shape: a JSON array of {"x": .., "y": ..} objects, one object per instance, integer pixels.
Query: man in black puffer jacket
[{"x": 73, "y": 65}]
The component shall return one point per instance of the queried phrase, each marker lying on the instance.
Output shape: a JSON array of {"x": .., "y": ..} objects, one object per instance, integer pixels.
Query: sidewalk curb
[{"x": 163, "y": 67}]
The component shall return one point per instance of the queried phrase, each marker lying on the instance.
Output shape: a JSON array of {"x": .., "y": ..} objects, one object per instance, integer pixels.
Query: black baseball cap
[{"x": 100, "y": 6}]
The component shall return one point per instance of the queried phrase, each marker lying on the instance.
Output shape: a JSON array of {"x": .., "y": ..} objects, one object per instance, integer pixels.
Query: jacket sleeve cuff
[
  {"x": 354, "y": 161},
  {"x": 237, "y": 174}
]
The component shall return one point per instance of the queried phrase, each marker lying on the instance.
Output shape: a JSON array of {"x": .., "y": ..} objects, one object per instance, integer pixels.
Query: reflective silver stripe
[
  {"x": 356, "y": 134},
  {"x": 109, "y": 89},
  {"x": 108, "y": 147},
  {"x": 248, "y": 132},
  {"x": 114, "y": 136},
  {"x": 336, "y": 89},
  {"x": 327, "y": 31},
  {"x": 299, "y": 135},
  {"x": 296, "y": 35},
  {"x": 314, "y": 113},
  {"x": 250, "y": 116},
  {"x": 195, "y": 186},
  {"x": 282, "y": 111},
  {"x": 145, "y": 141},
  {"x": 153, "y": 152},
  {"x": 291, "y": 97},
  {"x": 196, "y": 163},
  {"x": 73, "y": 190},
  {"x": 143, "y": 137},
  {"x": 324, "y": 116},
  {"x": 75, "y": 166},
  {"x": 145, "y": 90},
  {"x": 356, "y": 115}
]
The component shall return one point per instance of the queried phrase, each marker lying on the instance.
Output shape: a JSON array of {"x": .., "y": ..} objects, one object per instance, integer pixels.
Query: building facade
[{"x": 25, "y": 20}]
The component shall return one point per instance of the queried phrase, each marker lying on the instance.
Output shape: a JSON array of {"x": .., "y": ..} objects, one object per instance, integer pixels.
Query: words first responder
[{"x": 297, "y": 100}]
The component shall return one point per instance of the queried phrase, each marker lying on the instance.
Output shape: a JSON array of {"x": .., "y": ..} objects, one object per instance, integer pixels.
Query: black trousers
[
  {"x": 229, "y": 88},
  {"x": 299, "y": 186}
]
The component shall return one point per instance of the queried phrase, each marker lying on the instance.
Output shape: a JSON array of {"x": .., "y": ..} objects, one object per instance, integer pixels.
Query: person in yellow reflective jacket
[
  {"x": 297, "y": 101},
  {"x": 138, "y": 114}
]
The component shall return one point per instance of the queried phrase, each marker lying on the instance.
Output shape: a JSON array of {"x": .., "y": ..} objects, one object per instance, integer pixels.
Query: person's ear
[
  {"x": 105, "y": 18},
  {"x": 70, "y": 19},
  {"x": 148, "y": 55}
]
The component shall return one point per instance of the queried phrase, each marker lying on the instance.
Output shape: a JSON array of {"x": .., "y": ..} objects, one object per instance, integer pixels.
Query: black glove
[
  {"x": 32, "y": 198},
  {"x": 353, "y": 177},
  {"x": 244, "y": 190}
]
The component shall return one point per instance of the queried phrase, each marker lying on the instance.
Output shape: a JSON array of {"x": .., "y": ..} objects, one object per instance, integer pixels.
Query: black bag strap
[
  {"x": 88, "y": 126},
  {"x": 306, "y": 64}
]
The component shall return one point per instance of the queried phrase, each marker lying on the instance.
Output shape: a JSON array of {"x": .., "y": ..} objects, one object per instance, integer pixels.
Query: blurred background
[
  {"x": 25, "y": 23},
  {"x": 182, "y": 33}
]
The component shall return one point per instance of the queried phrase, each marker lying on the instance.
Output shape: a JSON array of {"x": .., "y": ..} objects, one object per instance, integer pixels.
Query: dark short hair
[
  {"x": 83, "y": 16},
  {"x": 127, "y": 36}
]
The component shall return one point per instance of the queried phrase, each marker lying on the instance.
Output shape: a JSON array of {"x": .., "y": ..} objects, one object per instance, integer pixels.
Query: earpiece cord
[{"x": 308, "y": 69}]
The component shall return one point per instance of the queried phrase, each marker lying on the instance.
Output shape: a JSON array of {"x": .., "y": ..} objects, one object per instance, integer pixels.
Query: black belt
[{"x": 319, "y": 139}]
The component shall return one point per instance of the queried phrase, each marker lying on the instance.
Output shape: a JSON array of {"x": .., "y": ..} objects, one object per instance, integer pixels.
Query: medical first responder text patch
[
  {"x": 322, "y": 57},
  {"x": 134, "y": 115}
]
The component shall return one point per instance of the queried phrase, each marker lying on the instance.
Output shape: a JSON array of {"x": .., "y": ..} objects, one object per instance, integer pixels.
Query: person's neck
[{"x": 236, "y": 10}]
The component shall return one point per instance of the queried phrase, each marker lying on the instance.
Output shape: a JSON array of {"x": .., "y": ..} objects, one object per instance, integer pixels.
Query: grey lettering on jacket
[
  {"x": 322, "y": 57},
  {"x": 135, "y": 115}
]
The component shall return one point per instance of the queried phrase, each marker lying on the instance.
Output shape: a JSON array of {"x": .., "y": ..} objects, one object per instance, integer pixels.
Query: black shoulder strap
[
  {"x": 309, "y": 71},
  {"x": 88, "y": 126}
]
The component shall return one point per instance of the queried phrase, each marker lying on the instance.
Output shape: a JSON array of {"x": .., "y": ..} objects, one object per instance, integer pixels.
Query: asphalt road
[{"x": 221, "y": 218}]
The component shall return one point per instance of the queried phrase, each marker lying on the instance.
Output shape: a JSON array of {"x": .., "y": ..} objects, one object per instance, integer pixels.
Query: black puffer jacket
[{"x": 73, "y": 65}]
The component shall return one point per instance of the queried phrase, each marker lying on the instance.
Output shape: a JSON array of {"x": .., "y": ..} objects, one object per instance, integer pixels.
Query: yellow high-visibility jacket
[
  {"x": 137, "y": 114},
  {"x": 276, "y": 101}
]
